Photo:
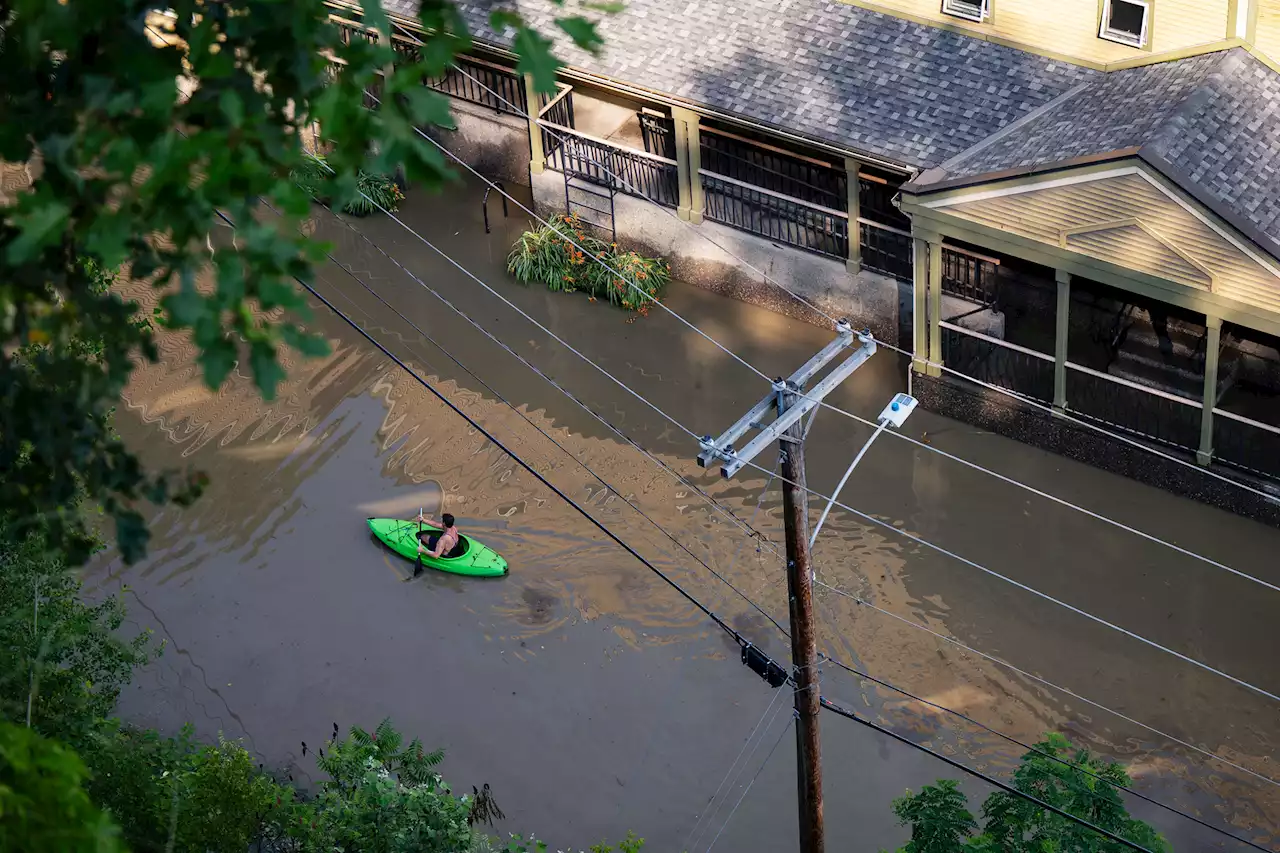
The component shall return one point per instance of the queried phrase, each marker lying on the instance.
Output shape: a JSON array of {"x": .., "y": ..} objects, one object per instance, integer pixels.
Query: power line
[
  {"x": 749, "y": 600},
  {"x": 766, "y": 277},
  {"x": 711, "y": 500},
  {"x": 990, "y": 780},
  {"x": 875, "y": 521},
  {"x": 512, "y": 406},
  {"x": 823, "y": 403},
  {"x": 747, "y": 790},
  {"x": 517, "y": 459},
  {"x": 1011, "y": 739},
  {"x": 710, "y": 812},
  {"x": 1043, "y": 681},
  {"x": 759, "y": 502}
]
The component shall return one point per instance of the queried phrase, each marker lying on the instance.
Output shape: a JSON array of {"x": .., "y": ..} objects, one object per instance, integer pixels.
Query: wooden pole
[{"x": 804, "y": 639}]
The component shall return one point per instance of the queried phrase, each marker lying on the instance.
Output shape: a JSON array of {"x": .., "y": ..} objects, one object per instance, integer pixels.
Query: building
[{"x": 1077, "y": 202}]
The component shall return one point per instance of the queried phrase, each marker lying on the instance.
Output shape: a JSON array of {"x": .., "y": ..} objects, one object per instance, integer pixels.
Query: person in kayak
[{"x": 442, "y": 543}]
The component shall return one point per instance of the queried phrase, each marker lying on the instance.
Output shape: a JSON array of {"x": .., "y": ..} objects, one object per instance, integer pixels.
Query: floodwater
[{"x": 584, "y": 690}]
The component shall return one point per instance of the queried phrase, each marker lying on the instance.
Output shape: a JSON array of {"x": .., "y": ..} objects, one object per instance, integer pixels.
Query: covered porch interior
[{"x": 1107, "y": 293}]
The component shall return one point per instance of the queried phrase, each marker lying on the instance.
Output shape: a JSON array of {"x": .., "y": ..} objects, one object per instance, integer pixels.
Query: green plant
[
  {"x": 384, "y": 796},
  {"x": 565, "y": 256},
  {"x": 62, "y": 661},
  {"x": 374, "y": 192},
  {"x": 133, "y": 171},
  {"x": 43, "y": 804},
  {"x": 371, "y": 191},
  {"x": 941, "y": 822}
]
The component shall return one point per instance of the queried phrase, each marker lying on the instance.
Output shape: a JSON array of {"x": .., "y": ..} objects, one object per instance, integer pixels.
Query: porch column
[
  {"x": 1060, "y": 342},
  {"x": 854, "y": 262},
  {"x": 920, "y": 303},
  {"x": 935, "y": 306},
  {"x": 537, "y": 157},
  {"x": 1212, "y": 343},
  {"x": 688, "y": 164}
]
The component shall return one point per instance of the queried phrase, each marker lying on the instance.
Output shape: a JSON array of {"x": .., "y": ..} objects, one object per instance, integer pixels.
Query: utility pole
[
  {"x": 792, "y": 402},
  {"x": 804, "y": 639}
]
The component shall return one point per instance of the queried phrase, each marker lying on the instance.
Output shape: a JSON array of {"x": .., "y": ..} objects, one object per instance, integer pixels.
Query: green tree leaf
[{"x": 583, "y": 32}]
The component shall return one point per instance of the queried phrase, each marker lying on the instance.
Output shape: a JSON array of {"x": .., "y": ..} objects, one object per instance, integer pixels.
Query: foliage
[
  {"x": 373, "y": 191},
  {"x": 941, "y": 822},
  {"x": 529, "y": 844},
  {"x": 43, "y": 805},
  {"x": 384, "y": 796},
  {"x": 62, "y": 661},
  {"x": 129, "y": 173},
  {"x": 556, "y": 255},
  {"x": 173, "y": 794}
]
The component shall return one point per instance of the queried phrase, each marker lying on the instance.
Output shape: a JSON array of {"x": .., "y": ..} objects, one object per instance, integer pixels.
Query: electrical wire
[
  {"x": 1045, "y": 682},
  {"x": 709, "y": 812},
  {"x": 871, "y": 519},
  {"x": 990, "y": 780},
  {"x": 911, "y": 354},
  {"x": 513, "y": 407},
  {"x": 747, "y": 790},
  {"x": 756, "y": 533},
  {"x": 746, "y": 598},
  {"x": 517, "y": 459},
  {"x": 1128, "y": 790},
  {"x": 759, "y": 503}
]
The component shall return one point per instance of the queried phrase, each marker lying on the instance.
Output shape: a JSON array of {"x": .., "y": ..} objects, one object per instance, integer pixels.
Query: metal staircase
[{"x": 589, "y": 191}]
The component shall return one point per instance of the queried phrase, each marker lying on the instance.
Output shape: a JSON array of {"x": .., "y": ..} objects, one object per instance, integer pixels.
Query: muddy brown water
[{"x": 587, "y": 693}]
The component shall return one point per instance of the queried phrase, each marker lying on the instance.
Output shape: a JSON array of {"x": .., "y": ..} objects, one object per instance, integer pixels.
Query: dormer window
[
  {"x": 1126, "y": 21},
  {"x": 970, "y": 10}
]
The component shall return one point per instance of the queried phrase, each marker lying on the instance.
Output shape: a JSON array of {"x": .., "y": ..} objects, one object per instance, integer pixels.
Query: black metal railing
[
  {"x": 998, "y": 364},
  {"x": 885, "y": 251},
  {"x": 969, "y": 277},
  {"x": 817, "y": 184},
  {"x": 775, "y": 218},
  {"x": 875, "y": 201},
  {"x": 1143, "y": 413},
  {"x": 560, "y": 112},
  {"x": 498, "y": 89},
  {"x": 627, "y": 171},
  {"x": 659, "y": 135},
  {"x": 1245, "y": 446}
]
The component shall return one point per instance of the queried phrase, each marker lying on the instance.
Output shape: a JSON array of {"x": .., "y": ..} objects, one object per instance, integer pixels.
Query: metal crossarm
[{"x": 734, "y": 460}]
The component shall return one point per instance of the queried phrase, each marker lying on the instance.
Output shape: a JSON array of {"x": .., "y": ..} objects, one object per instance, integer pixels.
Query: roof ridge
[
  {"x": 1204, "y": 89},
  {"x": 1015, "y": 126}
]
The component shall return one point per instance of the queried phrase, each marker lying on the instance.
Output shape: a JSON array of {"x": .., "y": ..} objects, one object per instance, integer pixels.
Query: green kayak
[{"x": 468, "y": 558}]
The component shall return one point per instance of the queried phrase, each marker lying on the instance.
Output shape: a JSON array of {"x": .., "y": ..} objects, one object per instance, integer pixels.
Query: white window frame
[
  {"x": 1120, "y": 36},
  {"x": 964, "y": 9}
]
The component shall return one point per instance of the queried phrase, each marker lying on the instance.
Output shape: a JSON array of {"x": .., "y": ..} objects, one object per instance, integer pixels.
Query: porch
[{"x": 1141, "y": 315}]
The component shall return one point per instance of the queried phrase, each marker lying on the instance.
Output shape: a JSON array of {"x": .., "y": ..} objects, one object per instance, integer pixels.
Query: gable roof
[
  {"x": 1210, "y": 123},
  {"x": 861, "y": 80}
]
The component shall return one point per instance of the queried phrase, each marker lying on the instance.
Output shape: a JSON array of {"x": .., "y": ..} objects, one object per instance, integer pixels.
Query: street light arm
[{"x": 845, "y": 479}]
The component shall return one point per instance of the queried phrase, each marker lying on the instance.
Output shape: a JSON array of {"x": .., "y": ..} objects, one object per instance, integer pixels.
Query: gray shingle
[
  {"x": 1211, "y": 123},
  {"x": 910, "y": 93}
]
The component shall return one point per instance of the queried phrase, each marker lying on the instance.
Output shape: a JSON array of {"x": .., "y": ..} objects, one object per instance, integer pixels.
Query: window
[
  {"x": 1126, "y": 21},
  {"x": 970, "y": 10}
]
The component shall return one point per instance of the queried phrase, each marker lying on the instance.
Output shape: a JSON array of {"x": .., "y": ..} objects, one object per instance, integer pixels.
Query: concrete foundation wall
[
  {"x": 1001, "y": 414},
  {"x": 495, "y": 145},
  {"x": 868, "y": 300}
]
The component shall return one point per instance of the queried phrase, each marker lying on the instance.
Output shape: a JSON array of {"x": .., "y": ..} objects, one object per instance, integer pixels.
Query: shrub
[
  {"x": 316, "y": 179},
  {"x": 564, "y": 256}
]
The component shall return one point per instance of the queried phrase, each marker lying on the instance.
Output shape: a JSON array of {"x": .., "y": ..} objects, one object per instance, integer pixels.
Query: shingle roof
[
  {"x": 907, "y": 92},
  {"x": 1211, "y": 123}
]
